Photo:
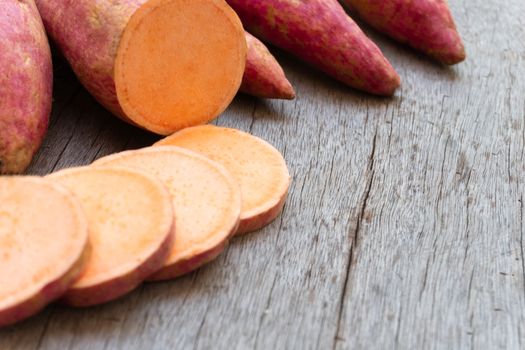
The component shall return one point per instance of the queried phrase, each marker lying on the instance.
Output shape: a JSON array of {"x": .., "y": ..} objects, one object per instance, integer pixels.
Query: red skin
[
  {"x": 191, "y": 263},
  {"x": 186, "y": 266},
  {"x": 263, "y": 76},
  {"x": 25, "y": 84},
  {"x": 194, "y": 262},
  {"x": 110, "y": 290},
  {"x": 88, "y": 34},
  {"x": 263, "y": 219},
  {"x": 48, "y": 294},
  {"x": 425, "y": 25},
  {"x": 56, "y": 285},
  {"x": 321, "y": 33}
]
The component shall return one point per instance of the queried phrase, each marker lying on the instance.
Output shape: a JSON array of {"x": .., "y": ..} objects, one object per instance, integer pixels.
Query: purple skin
[
  {"x": 425, "y": 25},
  {"x": 192, "y": 263},
  {"x": 321, "y": 33},
  {"x": 113, "y": 289},
  {"x": 254, "y": 223},
  {"x": 88, "y": 34},
  {"x": 48, "y": 294},
  {"x": 263, "y": 76},
  {"x": 188, "y": 265},
  {"x": 25, "y": 84}
]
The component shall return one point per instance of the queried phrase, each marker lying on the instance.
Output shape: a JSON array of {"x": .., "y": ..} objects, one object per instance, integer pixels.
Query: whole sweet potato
[
  {"x": 321, "y": 33},
  {"x": 25, "y": 84},
  {"x": 425, "y": 25}
]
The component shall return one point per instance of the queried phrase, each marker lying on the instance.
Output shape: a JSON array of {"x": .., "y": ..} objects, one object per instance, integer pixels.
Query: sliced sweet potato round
[
  {"x": 179, "y": 63},
  {"x": 259, "y": 168},
  {"x": 130, "y": 227},
  {"x": 206, "y": 199},
  {"x": 43, "y": 245}
]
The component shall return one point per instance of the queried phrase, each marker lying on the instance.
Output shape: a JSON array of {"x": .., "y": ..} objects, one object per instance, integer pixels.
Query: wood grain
[{"x": 403, "y": 230}]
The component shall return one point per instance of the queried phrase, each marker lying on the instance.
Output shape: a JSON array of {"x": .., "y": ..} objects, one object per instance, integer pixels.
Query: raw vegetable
[
  {"x": 263, "y": 76},
  {"x": 258, "y": 167},
  {"x": 426, "y": 25},
  {"x": 206, "y": 198},
  {"x": 160, "y": 64},
  {"x": 321, "y": 33},
  {"x": 43, "y": 245},
  {"x": 130, "y": 227},
  {"x": 25, "y": 84}
]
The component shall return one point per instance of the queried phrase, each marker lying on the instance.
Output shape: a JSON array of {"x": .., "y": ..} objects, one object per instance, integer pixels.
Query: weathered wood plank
[
  {"x": 438, "y": 263},
  {"x": 403, "y": 228}
]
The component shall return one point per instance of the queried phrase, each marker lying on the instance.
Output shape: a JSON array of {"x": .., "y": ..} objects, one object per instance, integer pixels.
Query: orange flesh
[
  {"x": 258, "y": 167},
  {"x": 43, "y": 233},
  {"x": 179, "y": 63},
  {"x": 129, "y": 214},
  {"x": 206, "y": 199}
]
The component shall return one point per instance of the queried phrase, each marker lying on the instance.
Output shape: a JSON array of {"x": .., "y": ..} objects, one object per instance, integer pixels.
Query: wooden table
[{"x": 404, "y": 226}]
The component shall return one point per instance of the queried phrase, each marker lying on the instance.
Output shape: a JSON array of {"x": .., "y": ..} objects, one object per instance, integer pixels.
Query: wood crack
[
  {"x": 62, "y": 152},
  {"x": 68, "y": 103},
  {"x": 355, "y": 239},
  {"x": 425, "y": 279},
  {"x": 201, "y": 326},
  {"x": 46, "y": 327},
  {"x": 521, "y": 242},
  {"x": 253, "y": 116},
  {"x": 265, "y": 312}
]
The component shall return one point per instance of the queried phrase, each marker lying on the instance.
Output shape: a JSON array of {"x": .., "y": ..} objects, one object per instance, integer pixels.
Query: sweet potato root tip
[
  {"x": 206, "y": 199},
  {"x": 43, "y": 245},
  {"x": 179, "y": 63},
  {"x": 25, "y": 84},
  {"x": 263, "y": 76},
  {"x": 425, "y": 25},
  {"x": 258, "y": 167},
  {"x": 131, "y": 225},
  {"x": 321, "y": 33}
]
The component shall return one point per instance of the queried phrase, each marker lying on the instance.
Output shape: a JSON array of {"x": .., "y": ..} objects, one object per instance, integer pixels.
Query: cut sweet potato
[
  {"x": 43, "y": 245},
  {"x": 258, "y": 167},
  {"x": 160, "y": 64},
  {"x": 206, "y": 199},
  {"x": 130, "y": 227}
]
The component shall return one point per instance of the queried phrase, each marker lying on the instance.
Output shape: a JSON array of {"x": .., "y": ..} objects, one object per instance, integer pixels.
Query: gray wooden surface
[{"x": 403, "y": 230}]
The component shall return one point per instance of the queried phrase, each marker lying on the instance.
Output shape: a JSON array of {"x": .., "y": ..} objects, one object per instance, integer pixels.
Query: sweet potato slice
[
  {"x": 130, "y": 227},
  {"x": 159, "y": 64},
  {"x": 43, "y": 245},
  {"x": 258, "y": 167},
  {"x": 206, "y": 199}
]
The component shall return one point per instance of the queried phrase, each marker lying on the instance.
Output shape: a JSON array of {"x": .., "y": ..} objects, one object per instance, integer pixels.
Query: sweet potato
[
  {"x": 426, "y": 25},
  {"x": 43, "y": 245},
  {"x": 160, "y": 64},
  {"x": 206, "y": 198},
  {"x": 131, "y": 226},
  {"x": 321, "y": 33},
  {"x": 25, "y": 84},
  {"x": 258, "y": 167},
  {"x": 263, "y": 76}
]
